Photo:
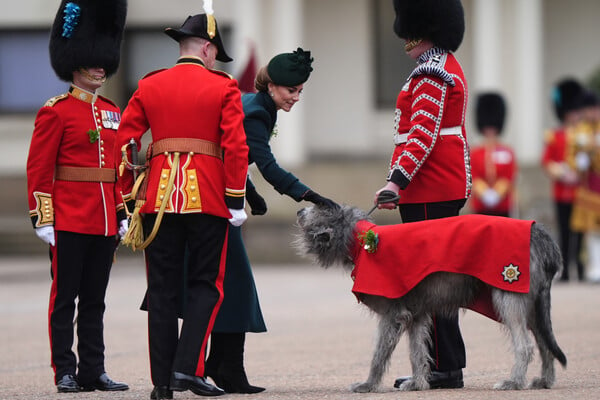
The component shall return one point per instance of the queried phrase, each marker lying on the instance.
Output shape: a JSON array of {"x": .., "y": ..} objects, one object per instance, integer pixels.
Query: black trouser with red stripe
[
  {"x": 570, "y": 241},
  {"x": 447, "y": 349},
  {"x": 206, "y": 238},
  {"x": 80, "y": 269}
]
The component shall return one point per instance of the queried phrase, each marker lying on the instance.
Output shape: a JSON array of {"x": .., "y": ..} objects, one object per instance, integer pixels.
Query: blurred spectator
[
  {"x": 559, "y": 164},
  {"x": 493, "y": 164},
  {"x": 586, "y": 207}
]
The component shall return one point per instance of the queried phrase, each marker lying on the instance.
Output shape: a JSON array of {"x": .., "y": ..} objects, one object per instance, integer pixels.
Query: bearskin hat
[
  {"x": 440, "y": 21},
  {"x": 567, "y": 96},
  {"x": 490, "y": 111},
  {"x": 87, "y": 33},
  {"x": 590, "y": 98}
]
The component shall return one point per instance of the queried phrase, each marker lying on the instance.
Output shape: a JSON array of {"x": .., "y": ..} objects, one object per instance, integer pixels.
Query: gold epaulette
[
  {"x": 222, "y": 73},
  {"x": 56, "y": 99}
]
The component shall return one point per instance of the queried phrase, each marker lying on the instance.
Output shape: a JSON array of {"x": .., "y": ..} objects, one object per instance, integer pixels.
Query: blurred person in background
[
  {"x": 586, "y": 206},
  {"x": 430, "y": 166},
  {"x": 493, "y": 164},
  {"x": 279, "y": 85},
  {"x": 559, "y": 163},
  {"x": 73, "y": 201}
]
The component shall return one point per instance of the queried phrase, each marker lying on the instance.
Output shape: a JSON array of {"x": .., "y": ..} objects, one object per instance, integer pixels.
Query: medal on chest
[{"x": 110, "y": 119}]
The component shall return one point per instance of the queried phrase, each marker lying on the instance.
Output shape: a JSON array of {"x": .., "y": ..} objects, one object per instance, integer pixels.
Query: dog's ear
[{"x": 323, "y": 236}]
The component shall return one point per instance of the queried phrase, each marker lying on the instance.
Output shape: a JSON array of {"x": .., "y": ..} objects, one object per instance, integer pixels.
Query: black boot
[
  {"x": 215, "y": 357},
  {"x": 231, "y": 371}
]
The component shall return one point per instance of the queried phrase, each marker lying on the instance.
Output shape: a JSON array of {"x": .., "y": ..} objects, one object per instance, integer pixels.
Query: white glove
[
  {"x": 582, "y": 161},
  {"x": 490, "y": 198},
  {"x": 237, "y": 216},
  {"x": 46, "y": 233},
  {"x": 568, "y": 176},
  {"x": 123, "y": 227}
]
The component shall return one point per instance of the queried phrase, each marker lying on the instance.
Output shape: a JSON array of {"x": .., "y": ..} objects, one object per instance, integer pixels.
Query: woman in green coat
[{"x": 279, "y": 85}]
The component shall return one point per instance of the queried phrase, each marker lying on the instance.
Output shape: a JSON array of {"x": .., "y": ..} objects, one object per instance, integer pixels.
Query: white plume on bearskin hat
[
  {"x": 440, "y": 21},
  {"x": 490, "y": 111},
  {"x": 87, "y": 33}
]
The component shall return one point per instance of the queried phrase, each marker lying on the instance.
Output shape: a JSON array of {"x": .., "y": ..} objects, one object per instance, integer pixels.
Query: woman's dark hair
[{"x": 262, "y": 80}]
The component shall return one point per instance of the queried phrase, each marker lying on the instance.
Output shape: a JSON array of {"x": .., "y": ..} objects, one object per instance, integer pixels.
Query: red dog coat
[{"x": 392, "y": 259}]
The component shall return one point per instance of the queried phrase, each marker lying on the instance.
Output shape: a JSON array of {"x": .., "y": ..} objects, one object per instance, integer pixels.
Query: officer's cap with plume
[
  {"x": 203, "y": 26},
  {"x": 87, "y": 34}
]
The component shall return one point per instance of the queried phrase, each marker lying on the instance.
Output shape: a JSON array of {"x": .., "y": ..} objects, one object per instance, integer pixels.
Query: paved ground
[{"x": 319, "y": 339}]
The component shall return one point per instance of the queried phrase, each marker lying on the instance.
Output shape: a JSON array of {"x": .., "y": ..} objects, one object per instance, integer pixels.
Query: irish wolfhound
[{"x": 332, "y": 237}]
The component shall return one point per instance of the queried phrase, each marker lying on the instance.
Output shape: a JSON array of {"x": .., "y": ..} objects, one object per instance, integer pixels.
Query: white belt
[{"x": 400, "y": 138}]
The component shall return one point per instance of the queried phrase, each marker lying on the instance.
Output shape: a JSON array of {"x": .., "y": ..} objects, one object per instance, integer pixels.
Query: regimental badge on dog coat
[{"x": 495, "y": 250}]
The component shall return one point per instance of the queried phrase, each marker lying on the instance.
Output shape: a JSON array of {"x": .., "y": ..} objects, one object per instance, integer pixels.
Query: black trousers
[
  {"x": 80, "y": 269},
  {"x": 205, "y": 236},
  {"x": 570, "y": 241},
  {"x": 447, "y": 349}
]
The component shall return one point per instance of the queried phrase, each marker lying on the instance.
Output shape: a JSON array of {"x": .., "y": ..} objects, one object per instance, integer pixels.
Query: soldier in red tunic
[
  {"x": 194, "y": 183},
  {"x": 71, "y": 187},
  {"x": 493, "y": 163},
  {"x": 430, "y": 166},
  {"x": 558, "y": 161}
]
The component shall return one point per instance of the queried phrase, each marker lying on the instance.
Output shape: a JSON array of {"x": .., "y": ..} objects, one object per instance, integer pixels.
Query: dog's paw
[
  {"x": 411, "y": 385},
  {"x": 509, "y": 385},
  {"x": 540, "y": 383},
  {"x": 363, "y": 387}
]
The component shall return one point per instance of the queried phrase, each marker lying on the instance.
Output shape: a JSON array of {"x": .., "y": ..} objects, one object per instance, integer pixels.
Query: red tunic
[
  {"x": 432, "y": 164},
  {"x": 60, "y": 138},
  {"x": 491, "y": 166},
  {"x": 190, "y": 101},
  {"x": 556, "y": 151},
  {"x": 493, "y": 249}
]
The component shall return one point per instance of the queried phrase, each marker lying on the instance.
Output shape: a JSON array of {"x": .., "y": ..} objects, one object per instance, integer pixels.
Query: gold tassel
[{"x": 135, "y": 234}]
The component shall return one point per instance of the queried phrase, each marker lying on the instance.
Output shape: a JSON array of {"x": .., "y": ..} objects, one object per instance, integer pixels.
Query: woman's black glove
[
  {"x": 258, "y": 206},
  {"x": 319, "y": 200}
]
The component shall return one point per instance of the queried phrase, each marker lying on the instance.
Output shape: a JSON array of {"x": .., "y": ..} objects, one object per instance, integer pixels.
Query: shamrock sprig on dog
[{"x": 369, "y": 240}]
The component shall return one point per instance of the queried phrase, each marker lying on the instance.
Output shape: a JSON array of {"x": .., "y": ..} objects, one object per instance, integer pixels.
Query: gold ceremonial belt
[
  {"x": 186, "y": 145},
  {"x": 83, "y": 174}
]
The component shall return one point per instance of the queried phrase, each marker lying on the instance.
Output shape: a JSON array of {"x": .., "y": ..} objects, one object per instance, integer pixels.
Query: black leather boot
[
  {"x": 215, "y": 357},
  {"x": 231, "y": 373}
]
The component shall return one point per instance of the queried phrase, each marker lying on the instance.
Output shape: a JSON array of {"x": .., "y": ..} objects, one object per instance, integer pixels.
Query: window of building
[
  {"x": 392, "y": 65},
  {"x": 27, "y": 79}
]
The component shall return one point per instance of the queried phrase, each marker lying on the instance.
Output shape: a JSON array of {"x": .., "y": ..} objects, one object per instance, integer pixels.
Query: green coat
[{"x": 260, "y": 118}]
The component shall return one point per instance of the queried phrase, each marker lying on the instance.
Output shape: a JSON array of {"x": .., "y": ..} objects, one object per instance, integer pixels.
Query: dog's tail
[
  {"x": 542, "y": 312},
  {"x": 548, "y": 258}
]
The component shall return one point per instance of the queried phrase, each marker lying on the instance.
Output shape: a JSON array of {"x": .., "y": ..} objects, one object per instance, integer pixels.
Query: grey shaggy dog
[{"x": 328, "y": 235}]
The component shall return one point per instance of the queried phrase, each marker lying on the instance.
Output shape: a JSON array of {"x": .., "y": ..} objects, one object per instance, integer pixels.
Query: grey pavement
[{"x": 319, "y": 340}]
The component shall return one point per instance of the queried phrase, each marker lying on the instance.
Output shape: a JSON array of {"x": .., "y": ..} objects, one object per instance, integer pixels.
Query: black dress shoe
[
  {"x": 197, "y": 384},
  {"x": 67, "y": 384},
  {"x": 161, "y": 392},
  {"x": 104, "y": 383},
  {"x": 439, "y": 380}
]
